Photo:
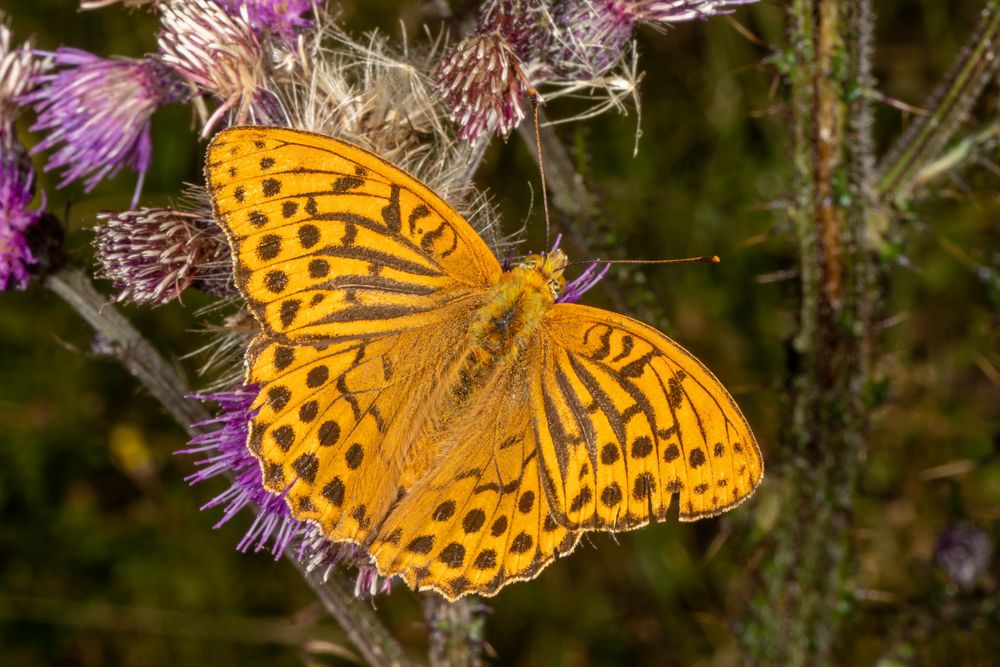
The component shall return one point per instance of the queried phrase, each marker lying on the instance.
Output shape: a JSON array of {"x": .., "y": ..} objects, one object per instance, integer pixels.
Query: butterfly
[{"x": 450, "y": 416}]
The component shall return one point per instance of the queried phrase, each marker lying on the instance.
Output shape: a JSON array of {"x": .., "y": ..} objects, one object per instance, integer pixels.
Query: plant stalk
[
  {"x": 901, "y": 172},
  {"x": 806, "y": 583}
]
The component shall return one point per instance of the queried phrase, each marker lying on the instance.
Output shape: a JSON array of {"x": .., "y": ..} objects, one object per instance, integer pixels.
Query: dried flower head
[
  {"x": 284, "y": 18},
  {"x": 16, "y": 219},
  {"x": 592, "y": 35},
  {"x": 220, "y": 55},
  {"x": 17, "y": 67},
  {"x": 386, "y": 101},
  {"x": 153, "y": 254},
  {"x": 963, "y": 551},
  {"x": 364, "y": 93},
  {"x": 96, "y": 114}
]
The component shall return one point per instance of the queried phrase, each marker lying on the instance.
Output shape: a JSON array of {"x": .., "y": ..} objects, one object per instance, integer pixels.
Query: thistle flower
[
  {"x": 963, "y": 551},
  {"x": 591, "y": 35},
  {"x": 583, "y": 283},
  {"x": 484, "y": 78},
  {"x": 483, "y": 83},
  {"x": 285, "y": 18},
  {"x": 96, "y": 113},
  {"x": 153, "y": 254},
  {"x": 523, "y": 23},
  {"x": 224, "y": 447},
  {"x": 16, "y": 192},
  {"x": 220, "y": 55},
  {"x": 226, "y": 453}
]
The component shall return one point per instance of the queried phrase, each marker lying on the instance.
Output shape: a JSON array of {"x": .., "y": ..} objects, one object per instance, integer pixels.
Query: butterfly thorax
[{"x": 508, "y": 319}]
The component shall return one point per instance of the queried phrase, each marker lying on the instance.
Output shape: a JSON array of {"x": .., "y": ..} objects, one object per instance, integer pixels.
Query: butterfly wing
[
  {"x": 625, "y": 418},
  {"x": 361, "y": 278},
  {"x": 329, "y": 421},
  {"x": 482, "y": 519},
  {"x": 330, "y": 242}
]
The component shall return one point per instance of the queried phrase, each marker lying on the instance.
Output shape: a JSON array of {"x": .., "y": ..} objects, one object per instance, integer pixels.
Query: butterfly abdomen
[{"x": 501, "y": 330}]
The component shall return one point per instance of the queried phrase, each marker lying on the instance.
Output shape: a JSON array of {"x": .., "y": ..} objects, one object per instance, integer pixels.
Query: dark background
[{"x": 105, "y": 558}]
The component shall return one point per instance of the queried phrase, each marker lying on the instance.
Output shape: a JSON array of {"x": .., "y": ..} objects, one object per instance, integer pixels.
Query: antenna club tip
[{"x": 714, "y": 259}]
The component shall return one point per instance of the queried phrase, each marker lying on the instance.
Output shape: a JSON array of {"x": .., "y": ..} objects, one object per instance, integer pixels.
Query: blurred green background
[{"x": 105, "y": 558}]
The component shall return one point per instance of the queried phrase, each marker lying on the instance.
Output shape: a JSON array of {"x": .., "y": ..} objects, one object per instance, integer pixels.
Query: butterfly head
[{"x": 550, "y": 265}]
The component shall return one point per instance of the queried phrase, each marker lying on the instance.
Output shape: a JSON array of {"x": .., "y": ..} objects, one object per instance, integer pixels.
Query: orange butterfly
[{"x": 448, "y": 415}]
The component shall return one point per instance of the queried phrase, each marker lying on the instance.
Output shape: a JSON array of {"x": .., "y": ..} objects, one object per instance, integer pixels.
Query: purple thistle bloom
[
  {"x": 16, "y": 192},
  {"x": 580, "y": 285},
  {"x": 285, "y": 18},
  {"x": 154, "y": 254},
  {"x": 592, "y": 34},
  {"x": 522, "y": 23},
  {"x": 225, "y": 453},
  {"x": 96, "y": 112},
  {"x": 220, "y": 55}
]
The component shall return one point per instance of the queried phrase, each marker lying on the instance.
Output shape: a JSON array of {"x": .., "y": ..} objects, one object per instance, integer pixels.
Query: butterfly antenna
[
  {"x": 707, "y": 259},
  {"x": 535, "y": 101}
]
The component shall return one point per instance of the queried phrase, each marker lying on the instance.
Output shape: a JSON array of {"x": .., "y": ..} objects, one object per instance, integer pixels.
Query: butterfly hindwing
[
  {"x": 331, "y": 242},
  {"x": 322, "y": 424},
  {"x": 626, "y": 419},
  {"x": 482, "y": 519}
]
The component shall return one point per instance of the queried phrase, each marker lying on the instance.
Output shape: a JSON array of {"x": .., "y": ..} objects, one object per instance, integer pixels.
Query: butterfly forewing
[
  {"x": 331, "y": 242},
  {"x": 626, "y": 419}
]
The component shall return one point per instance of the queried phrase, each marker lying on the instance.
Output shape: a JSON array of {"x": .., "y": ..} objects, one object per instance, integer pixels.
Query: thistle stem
[
  {"x": 902, "y": 171},
  {"x": 160, "y": 379},
  {"x": 798, "y": 620}
]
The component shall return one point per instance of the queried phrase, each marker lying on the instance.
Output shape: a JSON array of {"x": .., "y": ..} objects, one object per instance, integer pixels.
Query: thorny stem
[
  {"x": 362, "y": 626},
  {"x": 902, "y": 170},
  {"x": 809, "y": 577},
  {"x": 456, "y": 632},
  {"x": 163, "y": 381}
]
